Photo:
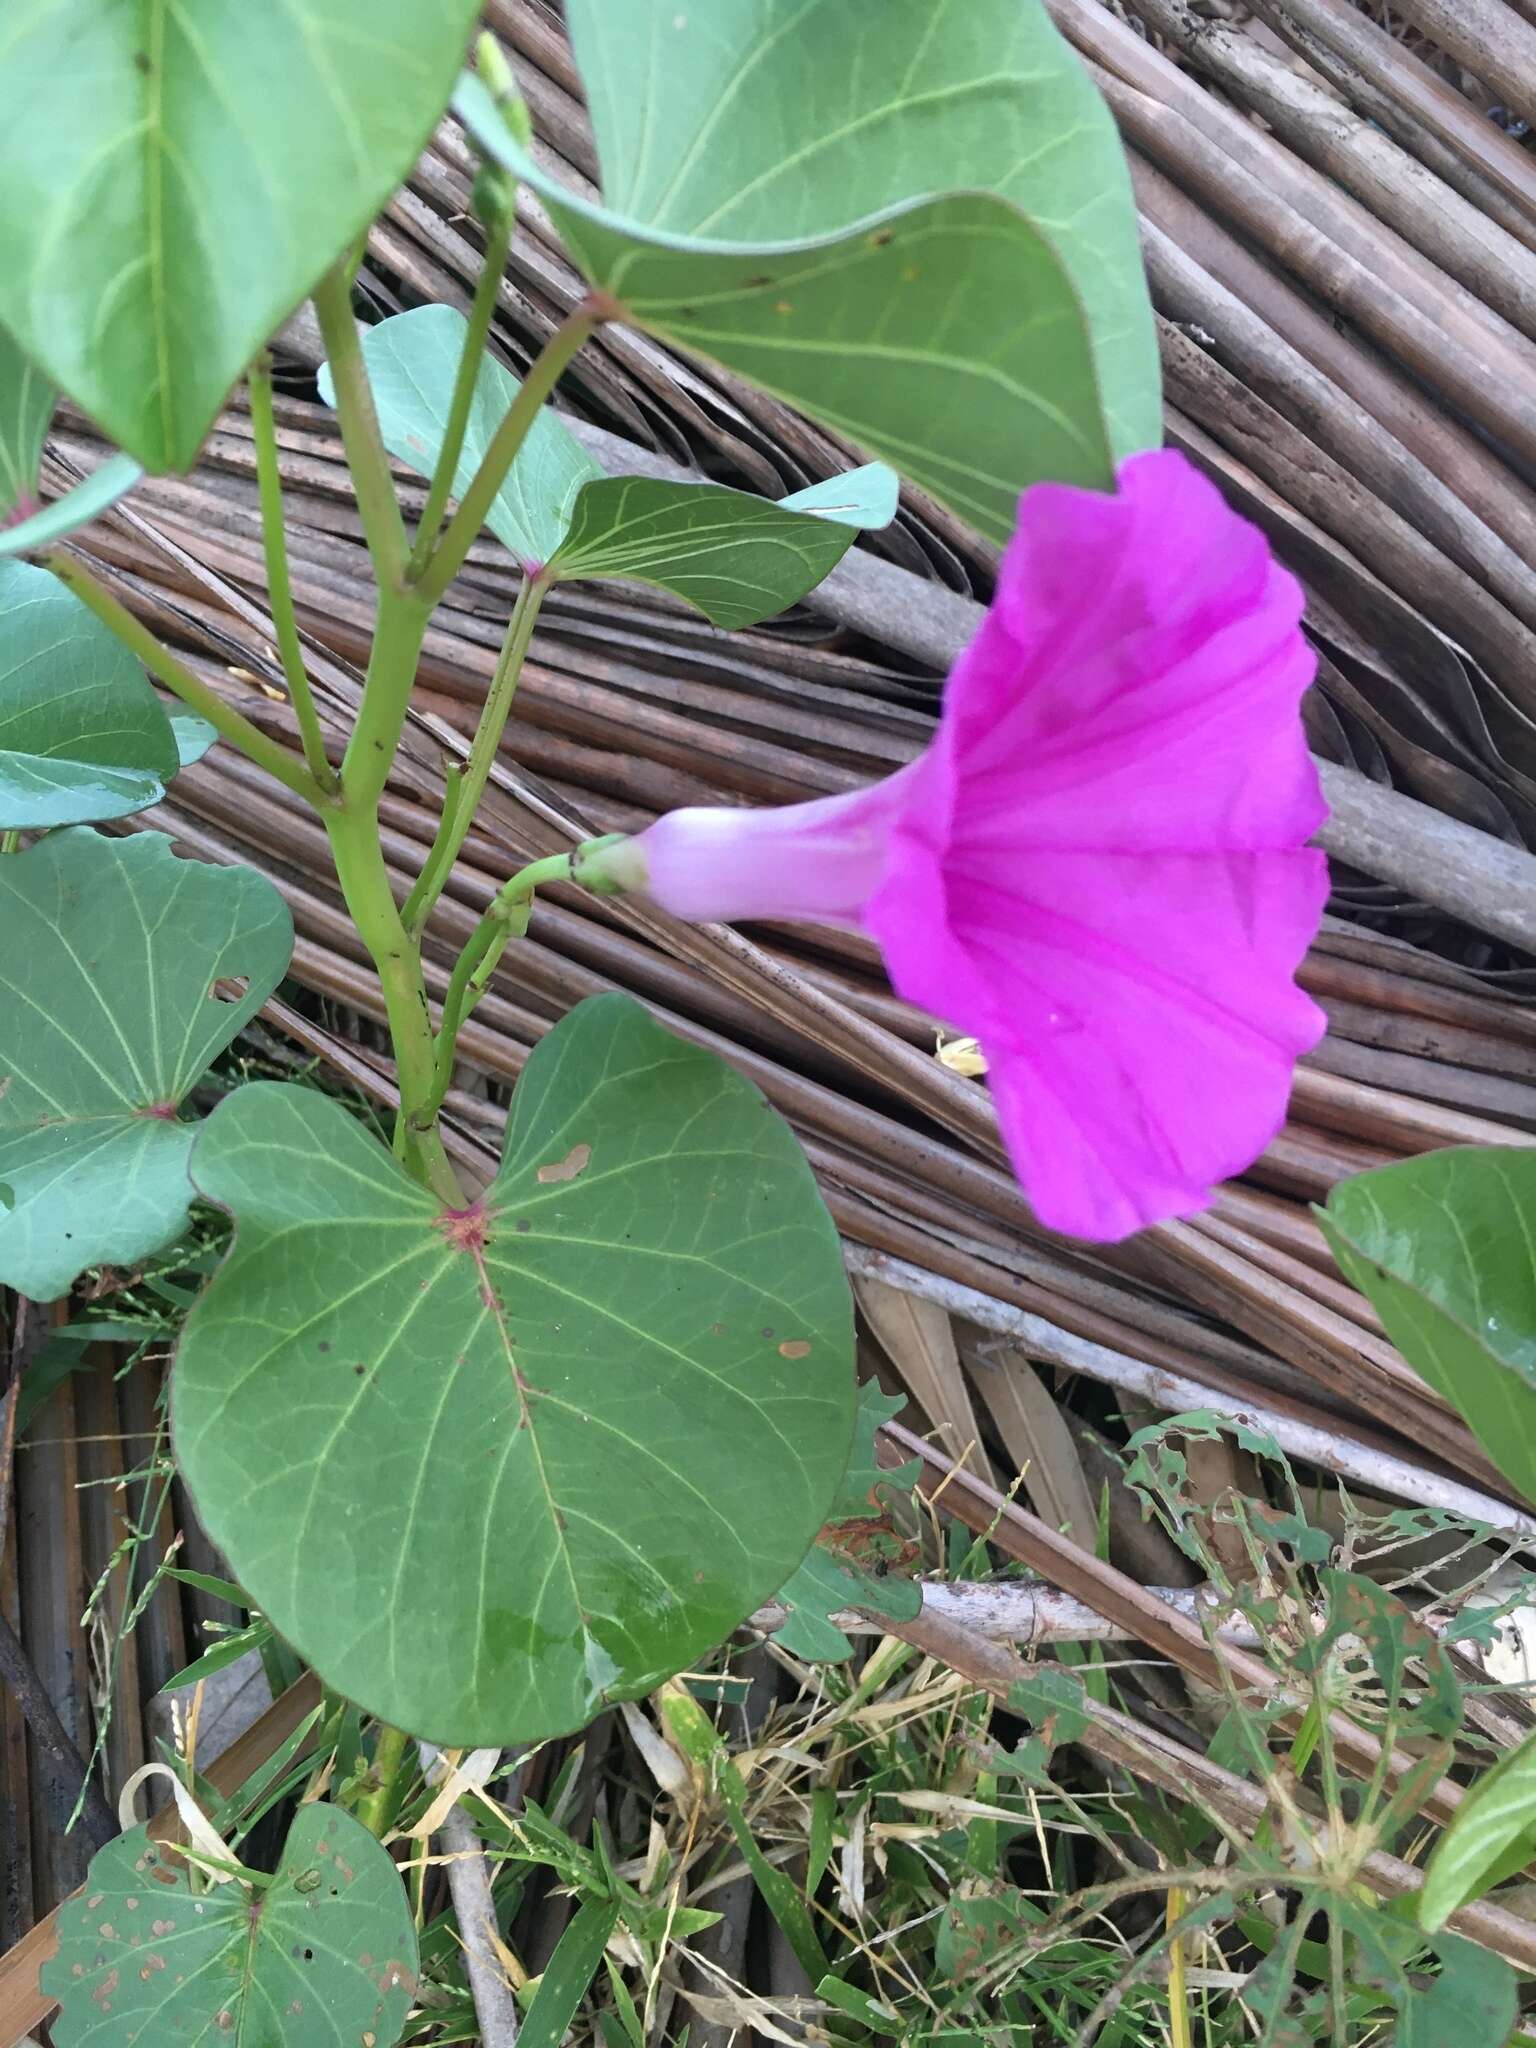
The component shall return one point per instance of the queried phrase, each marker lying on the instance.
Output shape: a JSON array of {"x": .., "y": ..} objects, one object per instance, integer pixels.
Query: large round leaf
[
  {"x": 177, "y": 177},
  {"x": 1445, "y": 1247},
  {"x": 82, "y": 734},
  {"x": 109, "y": 953},
  {"x": 324, "y": 1955},
  {"x": 922, "y": 234},
  {"x": 488, "y": 1471}
]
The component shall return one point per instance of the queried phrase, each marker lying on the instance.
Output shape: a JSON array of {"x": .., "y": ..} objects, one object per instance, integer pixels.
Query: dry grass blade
[{"x": 919, "y": 1339}]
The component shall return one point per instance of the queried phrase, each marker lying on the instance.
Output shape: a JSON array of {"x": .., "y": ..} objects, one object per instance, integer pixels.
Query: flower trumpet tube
[{"x": 1099, "y": 867}]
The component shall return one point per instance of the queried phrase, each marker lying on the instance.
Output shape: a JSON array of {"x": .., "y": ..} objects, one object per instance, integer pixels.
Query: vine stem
[
  {"x": 279, "y": 586},
  {"x": 460, "y": 803},
  {"x": 378, "y": 1806},
  {"x": 230, "y": 724},
  {"x": 498, "y": 243},
  {"x": 506, "y": 919},
  {"x": 367, "y": 458},
  {"x": 543, "y": 374}
]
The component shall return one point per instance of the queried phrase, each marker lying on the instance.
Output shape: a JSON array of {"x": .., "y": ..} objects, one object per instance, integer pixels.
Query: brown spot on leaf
[
  {"x": 162, "y": 1927},
  {"x": 152, "y": 1962},
  {"x": 105, "y": 1989},
  {"x": 574, "y": 1162},
  {"x": 796, "y": 1347}
]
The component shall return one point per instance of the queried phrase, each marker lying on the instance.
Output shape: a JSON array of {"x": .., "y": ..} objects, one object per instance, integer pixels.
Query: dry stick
[
  {"x": 1489, "y": 39},
  {"x": 1397, "y": 188},
  {"x": 1174, "y": 1392},
  {"x": 71, "y": 1777},
  {"x": 475, "y": 1910},
  {"x": 1423, "y": 112},
  {"x": 1278, "y": 371},
  {"x": 1187, "y": 1774},
  {"x": 1163, "y": 1629}
]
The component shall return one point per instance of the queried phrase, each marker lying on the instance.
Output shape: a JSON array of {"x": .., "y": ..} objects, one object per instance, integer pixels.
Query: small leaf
[
  {"x": 112, "y": 950},
  {"x": 1471, "y": 2004},
  {"x": 26, "y": 407},
  {"x": 412, "y": 361},
  {"x": 1495, "y": 1817},
  {"x": 226, "y": 1651},
  {"x": 194, "y": 736},
  {"x": 738, "y": 558},
  {"x": 926, "y": 239},
  {"x": 325, "y": 1952},
  {"x": 631, "y": 1383},
  {"x": 87, "y": 501},
  {"x": 230, "y": 153},
  {"x": 867, "y": 497},
  {"x": 1445, "y": 1247},
  {"x": 568, "y": 1975},
  {"x": 82, "y": 734}
]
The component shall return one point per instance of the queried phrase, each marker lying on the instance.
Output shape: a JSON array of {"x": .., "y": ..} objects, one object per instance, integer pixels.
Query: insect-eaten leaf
[
  {"x": 114, "y": 950},
  {"x": 488, "y": 1469},
  {"x": 230, "y": 154},
  {"x": 321, "y": 1953},
  {"x": 82, "y": 735},
  {"x": 735, "y": 557},
  {"x": 1443, "y": 1247},
  {"x": 860, "y": 1557},
  {"x": 925, "y": 239}
]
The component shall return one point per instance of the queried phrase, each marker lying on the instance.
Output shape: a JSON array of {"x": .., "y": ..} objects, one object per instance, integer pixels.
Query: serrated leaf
[
  {"x": 26, "y": 407},
  {"x": 924, "y": 238},
  {"x": 229, "y": 154},
  {"x": 1445, "y": 1248},
  {"x": 112, "y": 480},
  {"x": 324, "y": 1954},
  {"x": 488, "y": 1471},
  {"x": 112, "y": 948},
  {"x": 82, "y": 735},
  {"x": 1496, "y": 1816},
  {"x": 736, "y": 557}
]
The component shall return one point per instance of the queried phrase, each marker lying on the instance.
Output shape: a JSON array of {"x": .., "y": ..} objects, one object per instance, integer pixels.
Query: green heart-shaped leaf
[
  {"x": 1445, "y": 1247},
  {"x": 107, "y": 1019},
  {"x": 323, "y": 1954},
  {"x": 26, "y": 407},
  {"x": 176, "y": 179},
  {"x": 489, "y": 1470},
  {"x": 82, "y": 734},
  {"x": 739, "y": 559},
  {"x": 923, "y": 235}
]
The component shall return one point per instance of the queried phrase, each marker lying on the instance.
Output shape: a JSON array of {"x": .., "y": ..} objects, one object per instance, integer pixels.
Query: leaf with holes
[
  {"x": 736, "y": 557},
  {"x": 112, "y": 951},
  {"x": 177, "y": 178},
  {"x": 1445, "y": 1247},
  {"x": 488, "y": 1470},
  {"x": 924, "y": 238},
  {"x": 322, "y": 1954},
  {"x": 82, "y": 734},
  {"x": 26, "y": 407},
  {"x": 851, "y": 1564}
]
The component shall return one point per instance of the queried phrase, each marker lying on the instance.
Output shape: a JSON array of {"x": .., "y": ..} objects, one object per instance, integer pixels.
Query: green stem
[
  {"x": 10, "y": 839},
  {"x": 506, "y": 919},
  {"x": 543, "y": 374},
  {"x": 279, "y": 588},
  {"x": 413, "y": 915},
  {"x": 364, "y": 879},
  {"x": 367, "y": 459},
  {"x": 400, "y": 626},
  {"x": 231, "y": 724},
  {"x": 498, "y": 242},
  {"x": 378, "y": 1806},
  {"x": 453, "y": 831}
]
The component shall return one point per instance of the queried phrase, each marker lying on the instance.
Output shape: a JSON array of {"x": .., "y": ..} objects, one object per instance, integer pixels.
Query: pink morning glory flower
[{"x": 1099, "y": 866}]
